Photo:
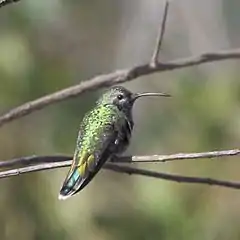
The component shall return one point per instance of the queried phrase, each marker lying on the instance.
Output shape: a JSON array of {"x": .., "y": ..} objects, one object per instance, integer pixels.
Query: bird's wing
[
  {"x": 88, "y": 160},
  {"x": 86, "y": 163}
]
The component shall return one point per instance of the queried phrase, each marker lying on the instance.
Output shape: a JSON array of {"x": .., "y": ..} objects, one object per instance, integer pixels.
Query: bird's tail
[
  {"x": 71, "y": 185},
  {"x": 78, "y": 177}
]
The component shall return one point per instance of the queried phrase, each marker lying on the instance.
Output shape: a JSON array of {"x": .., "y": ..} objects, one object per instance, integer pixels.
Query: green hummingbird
[{"x": 104, "y": 133}]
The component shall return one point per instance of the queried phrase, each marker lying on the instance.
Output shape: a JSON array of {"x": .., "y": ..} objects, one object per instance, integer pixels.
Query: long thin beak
[{"x": 138, "y": 95}]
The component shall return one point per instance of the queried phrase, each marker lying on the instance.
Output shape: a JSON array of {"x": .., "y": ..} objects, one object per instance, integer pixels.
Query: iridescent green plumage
[{"x": 104, "y": 133}]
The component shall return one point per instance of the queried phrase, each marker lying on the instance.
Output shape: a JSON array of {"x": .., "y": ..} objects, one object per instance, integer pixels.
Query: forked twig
[{"x": 117, "y": 77}]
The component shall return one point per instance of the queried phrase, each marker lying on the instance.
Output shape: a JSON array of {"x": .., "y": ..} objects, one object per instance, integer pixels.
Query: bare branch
[
  {"x": 6, "y": 2},
  {"x": 116, "y": 77},
  {"x": 159, "y": 40},
  {"x": 120, "y": 169}
]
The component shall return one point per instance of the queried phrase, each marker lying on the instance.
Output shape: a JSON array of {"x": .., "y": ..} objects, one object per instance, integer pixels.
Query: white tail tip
[{"x": 61, "y": 197}]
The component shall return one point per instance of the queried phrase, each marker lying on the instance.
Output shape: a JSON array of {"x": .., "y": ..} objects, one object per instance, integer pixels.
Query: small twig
[
  {"x": 154, "y": 59},
  {"x": 6, "y": 2},
  {"x": 128, "y": 170},
  {"x": 110, "y": 79}
]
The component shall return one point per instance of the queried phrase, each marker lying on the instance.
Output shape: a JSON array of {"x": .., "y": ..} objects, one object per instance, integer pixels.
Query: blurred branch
[
  {"x": 63, "y": 161},
  {"x": 6, "y": 2},
  {"x": 116, "y": 77}
]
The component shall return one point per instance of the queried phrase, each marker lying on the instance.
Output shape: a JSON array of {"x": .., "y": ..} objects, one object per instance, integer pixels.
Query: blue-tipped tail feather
[
  {"x": 78, "y": 177},
  {"x": 71, "y": 185}
]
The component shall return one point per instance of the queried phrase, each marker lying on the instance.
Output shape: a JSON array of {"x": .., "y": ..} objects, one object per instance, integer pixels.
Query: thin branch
[
  {"x": 159, "y": 40},
  {"x": 127, "y": 170},
  {"x": 33, "y": 160},
  {"x": 6, "y": 2},
  {"x": 110, "y": 79},
  {"x": 172, "y": 177},
  {"x": 176, "y": 157},
  {"x": 36, "y": 168},
  {"x": 36, "y": 160}
]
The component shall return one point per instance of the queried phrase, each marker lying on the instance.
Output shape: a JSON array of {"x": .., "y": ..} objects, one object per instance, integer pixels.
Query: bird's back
[
  {"x": 96, "y": 142},
  {"x": 98, "y": 125}
]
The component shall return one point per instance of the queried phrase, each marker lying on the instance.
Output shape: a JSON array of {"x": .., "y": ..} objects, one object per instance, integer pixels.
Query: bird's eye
[{"x": 120, "y": 97}]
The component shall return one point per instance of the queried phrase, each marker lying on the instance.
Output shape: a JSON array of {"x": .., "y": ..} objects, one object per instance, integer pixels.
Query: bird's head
[{"x": 123, "y": 98}]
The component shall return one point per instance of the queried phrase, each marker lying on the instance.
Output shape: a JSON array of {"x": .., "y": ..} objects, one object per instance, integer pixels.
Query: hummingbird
[{"x": 104, "y": 134}]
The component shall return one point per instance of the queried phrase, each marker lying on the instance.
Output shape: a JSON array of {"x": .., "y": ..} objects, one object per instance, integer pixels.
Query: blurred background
[{"x": 46, "y": 46}]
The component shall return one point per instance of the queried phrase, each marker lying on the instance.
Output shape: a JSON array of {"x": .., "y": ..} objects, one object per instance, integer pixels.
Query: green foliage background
[{"x": 48, "y": 45}]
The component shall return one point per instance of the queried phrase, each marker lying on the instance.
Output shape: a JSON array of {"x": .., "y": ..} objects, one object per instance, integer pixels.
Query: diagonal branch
[
  {"x": 127, "y": 170},
  {"x": 110, "y": 79},
  {"x": 6, "y": 2}
]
